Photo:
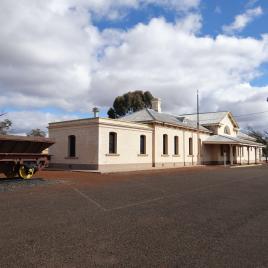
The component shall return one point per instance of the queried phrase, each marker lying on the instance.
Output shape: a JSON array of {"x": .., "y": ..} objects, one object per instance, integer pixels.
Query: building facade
[{"x": 150, "y": 139}]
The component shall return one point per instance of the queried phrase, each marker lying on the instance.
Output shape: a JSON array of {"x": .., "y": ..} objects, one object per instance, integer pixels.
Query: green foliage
[
  {"x": 5, "y": 126},
  {"x": 111, "y": 113},
  {"x": 261, "y": 137},
  {"x": 37, "y": 132},
  {"x": 130, "y": 102}
]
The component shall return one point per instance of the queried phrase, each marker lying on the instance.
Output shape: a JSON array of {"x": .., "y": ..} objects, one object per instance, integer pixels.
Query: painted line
[
  {"x": 197, "y": 190},
  {"x": 89, "y": 199},
  {"x": 138, "y": 203}
]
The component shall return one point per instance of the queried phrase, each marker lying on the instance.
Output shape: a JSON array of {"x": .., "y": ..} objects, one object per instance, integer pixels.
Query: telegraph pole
[{"x": 198, "y": 126}]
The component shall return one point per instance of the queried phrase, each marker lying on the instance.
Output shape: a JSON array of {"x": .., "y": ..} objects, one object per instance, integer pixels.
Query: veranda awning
[{"x": 221, "y": 139}]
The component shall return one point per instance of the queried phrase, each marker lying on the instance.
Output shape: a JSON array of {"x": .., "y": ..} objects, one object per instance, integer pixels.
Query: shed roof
[{"x": 222, "y": 139}]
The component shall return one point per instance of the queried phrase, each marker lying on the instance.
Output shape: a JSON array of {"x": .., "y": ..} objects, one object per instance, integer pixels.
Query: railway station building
[{"x": 150, "y": 139}]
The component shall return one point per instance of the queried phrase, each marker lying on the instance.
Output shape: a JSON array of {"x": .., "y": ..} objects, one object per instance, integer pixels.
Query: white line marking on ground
[
  {"x": 138, "y": 203},
  {"x": 197, "y": 190},
  {"x": 200, "y": 189},
  {"x": 89, "y": 199}
]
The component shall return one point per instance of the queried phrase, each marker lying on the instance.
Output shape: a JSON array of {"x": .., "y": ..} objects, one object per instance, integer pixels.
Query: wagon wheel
[{"x": 25, "y": 173}]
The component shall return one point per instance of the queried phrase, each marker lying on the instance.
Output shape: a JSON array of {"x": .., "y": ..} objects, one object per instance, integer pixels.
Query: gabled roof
[
  {"x": 211, "y": 118},
  {"x": 207, "y": 118},
  {"x": 149, "y": 115}
]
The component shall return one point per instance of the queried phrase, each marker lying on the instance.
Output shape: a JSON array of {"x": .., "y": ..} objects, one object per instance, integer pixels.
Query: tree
[
  {"x": 5, "y": 126},
  {"x": 261, "y": 137},
  {"x": 37, "y": 132},
  {"x": 130, "y": 102}
]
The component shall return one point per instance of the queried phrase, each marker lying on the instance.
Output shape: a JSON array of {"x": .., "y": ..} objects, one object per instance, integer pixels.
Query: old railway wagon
[{"x": 23, "y": 156}]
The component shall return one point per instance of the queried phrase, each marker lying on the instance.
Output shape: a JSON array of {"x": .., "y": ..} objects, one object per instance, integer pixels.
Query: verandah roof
[{"x": 221, "y": 139}]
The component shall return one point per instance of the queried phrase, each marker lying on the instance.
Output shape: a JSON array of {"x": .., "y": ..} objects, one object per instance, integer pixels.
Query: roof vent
[{"x": 156, "y": 105}]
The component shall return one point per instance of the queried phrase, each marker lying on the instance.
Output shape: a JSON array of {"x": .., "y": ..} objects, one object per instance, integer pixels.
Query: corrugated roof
[
  {"x": 222, "y": 139},
  {"x": 243, "y": 135},
  {"x": 149, "y": 115},
  {"x": 207, "y": 118}
]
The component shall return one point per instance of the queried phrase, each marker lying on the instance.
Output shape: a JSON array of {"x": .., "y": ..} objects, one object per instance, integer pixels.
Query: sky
[{"x": 61, "y": 58}]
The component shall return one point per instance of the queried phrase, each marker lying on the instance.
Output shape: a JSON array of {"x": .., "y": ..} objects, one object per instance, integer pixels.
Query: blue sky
[
  {"x": 215, "y": 14},
  {"x": 59, "y": 59}
]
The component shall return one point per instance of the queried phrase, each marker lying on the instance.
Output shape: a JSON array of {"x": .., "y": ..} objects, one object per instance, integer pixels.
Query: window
[
  {"x": 227, "y": 130},
  {"x": 238, "y": 151},
  {"x": 112, "y": 143},
  {"x": 165, "y": 144},
  {"x": 142, "y": 144},
  {"x": 242, "y": 151},
  {"x": 190, "y": 146},
  {"x": 71, "y": 145},
  {"x": 176, "y": 145}
]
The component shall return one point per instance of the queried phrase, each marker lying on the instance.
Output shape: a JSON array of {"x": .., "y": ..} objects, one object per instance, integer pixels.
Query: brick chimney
[{"x": 156, "y": 105}]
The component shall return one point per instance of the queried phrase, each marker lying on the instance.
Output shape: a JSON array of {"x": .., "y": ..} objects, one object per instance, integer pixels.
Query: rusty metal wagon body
[{"x": 23, "y": 156}]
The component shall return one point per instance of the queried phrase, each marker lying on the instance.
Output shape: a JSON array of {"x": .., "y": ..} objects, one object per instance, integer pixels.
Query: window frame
[
  {"x": 142, "y": 144},
  {"x": 71, "y": 146},
  {"x": 176, "y": 145},
  {"x": 227, "y": 130},
  {"x": 191, "y": 151},
  {"x": 112, "y": 142},
  {"x": 165, "y": 144}
]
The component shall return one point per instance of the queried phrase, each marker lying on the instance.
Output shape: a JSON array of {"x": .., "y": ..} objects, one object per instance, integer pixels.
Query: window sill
[
  {"x": 71, "y": 157},
  {"x": 165, "y": 155},
  {"x": 112, "y": 154},
  {"x": 144, "y": 155},
  {"x": 190, "y": 155},
  {"x": 176, "y": 155}
]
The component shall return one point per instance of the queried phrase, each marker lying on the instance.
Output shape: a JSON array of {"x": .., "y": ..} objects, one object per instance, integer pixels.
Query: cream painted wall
[
  {"x": 184, "y": 136},
  {"x": 213, "y": 153},
  {"x": 226, "y": 121},
  {"x": 86, "y": 144},
  {"x": 92, "y": 145},
  {"x": 128, "y": 144},
  {"x": 243, "y": 158},
  {"x": 92, "y": 142}
]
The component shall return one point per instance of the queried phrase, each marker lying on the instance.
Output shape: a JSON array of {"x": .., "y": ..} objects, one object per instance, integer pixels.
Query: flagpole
[{"x": 198, "y": 128}]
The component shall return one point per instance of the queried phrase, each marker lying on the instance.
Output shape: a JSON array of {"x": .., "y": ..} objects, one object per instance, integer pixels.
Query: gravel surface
[
  {"x": 11, "y": 185},
  {"x": 195, "y": 217}
]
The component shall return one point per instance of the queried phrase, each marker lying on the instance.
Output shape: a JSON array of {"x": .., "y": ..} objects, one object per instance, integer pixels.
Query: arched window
[
  {"x": 71, "y": 145},
  {"x": 142, "y": 144},
  {"x": 176, "y": 145},
  {"x": 190, "y": 146},
  {"x": 112, "y": 143},
  {"x": 165, "y": 144},
  {"x": 227, "y": 130}
]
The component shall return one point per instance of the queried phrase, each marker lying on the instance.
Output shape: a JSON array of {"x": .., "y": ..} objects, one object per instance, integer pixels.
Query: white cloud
[
  {"x": 191, "y": 24},
  {"x": 51, "y": 55},
  {"x": 242, "y": 20},
  {"x": 173, "y": 63},
  {"x": 24, "y": 121}
]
